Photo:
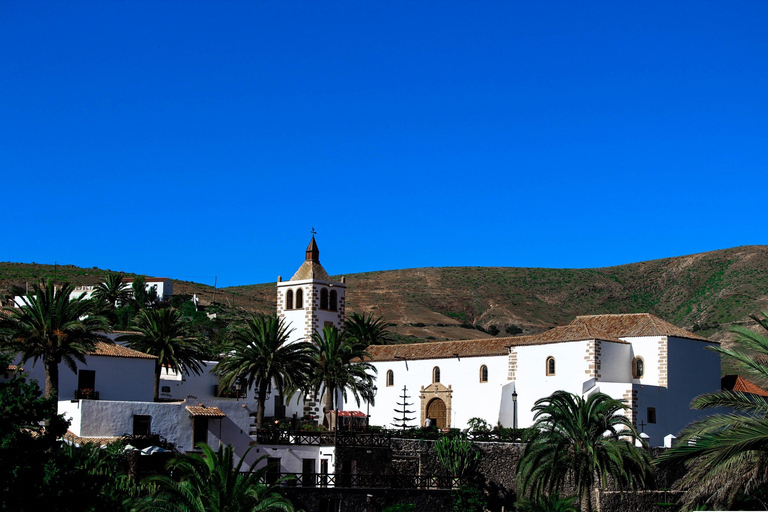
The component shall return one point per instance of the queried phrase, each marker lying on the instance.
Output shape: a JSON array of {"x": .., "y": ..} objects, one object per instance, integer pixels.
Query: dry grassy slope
[
  {"x": 431, "y": 303},
  {"x": 714, "y": 287}
]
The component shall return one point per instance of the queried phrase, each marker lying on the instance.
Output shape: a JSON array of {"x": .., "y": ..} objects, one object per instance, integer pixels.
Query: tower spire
[{"x": 313, "y": 253}]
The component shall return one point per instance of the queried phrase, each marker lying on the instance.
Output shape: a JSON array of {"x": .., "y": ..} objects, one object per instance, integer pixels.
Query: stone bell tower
[{"x": 310, "y": 300}]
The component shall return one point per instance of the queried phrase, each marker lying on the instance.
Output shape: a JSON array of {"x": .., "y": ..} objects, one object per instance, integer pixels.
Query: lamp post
[
  {"x": 514, "y": 410},
  {"x": 368, "y": 409}
]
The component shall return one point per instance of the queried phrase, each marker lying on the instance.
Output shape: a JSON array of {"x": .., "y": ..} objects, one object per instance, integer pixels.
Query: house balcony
[{"x": 86, "y": 394}]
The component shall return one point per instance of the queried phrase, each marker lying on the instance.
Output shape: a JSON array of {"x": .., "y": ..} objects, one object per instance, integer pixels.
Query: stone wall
[{"x": 368, "y": 500}]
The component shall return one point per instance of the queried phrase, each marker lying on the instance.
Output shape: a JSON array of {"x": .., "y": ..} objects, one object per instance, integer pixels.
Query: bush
[{"x": 513, "y": 330}]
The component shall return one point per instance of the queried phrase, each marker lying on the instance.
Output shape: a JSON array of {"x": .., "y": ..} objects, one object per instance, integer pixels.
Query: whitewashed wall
[
  {"x": 117, "y": 378},
  {"x": 693, "y": 370},
  {"x": 470, "y": 398}
]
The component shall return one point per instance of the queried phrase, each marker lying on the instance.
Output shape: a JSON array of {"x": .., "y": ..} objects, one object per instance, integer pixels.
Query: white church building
[{"x": 654, "y": 366}]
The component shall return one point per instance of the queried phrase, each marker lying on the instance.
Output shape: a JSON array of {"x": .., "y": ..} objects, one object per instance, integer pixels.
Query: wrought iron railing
[
  {"x": 395, "y": 481},
  {"x": 341, "y": 438}
]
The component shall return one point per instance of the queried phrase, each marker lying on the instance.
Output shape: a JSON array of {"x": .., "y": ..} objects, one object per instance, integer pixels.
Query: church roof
[
  {"x": 609, "y": 328},
  {"x": 633, "y": 325},
  {"x": 483, "y": 347},
  {"x": 311, "y": 268}
]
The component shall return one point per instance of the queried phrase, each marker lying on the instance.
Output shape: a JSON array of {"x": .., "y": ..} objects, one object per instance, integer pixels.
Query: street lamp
[
  {"x": 368, "y": 408},
  {"x": 514, "y": 410}
]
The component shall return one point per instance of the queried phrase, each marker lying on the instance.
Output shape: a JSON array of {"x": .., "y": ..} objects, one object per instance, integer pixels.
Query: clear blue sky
[{"x": 195, "y": 139}]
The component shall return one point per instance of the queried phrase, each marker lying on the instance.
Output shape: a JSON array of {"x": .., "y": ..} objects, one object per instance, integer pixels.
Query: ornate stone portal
[{"x": 436, "y": 404}]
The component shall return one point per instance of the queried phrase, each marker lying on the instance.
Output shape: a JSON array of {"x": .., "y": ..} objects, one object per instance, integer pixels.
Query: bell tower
[{"x": 310, "y": 300}]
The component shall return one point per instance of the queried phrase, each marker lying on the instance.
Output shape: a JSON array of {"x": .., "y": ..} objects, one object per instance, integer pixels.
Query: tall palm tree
[
  {"x": 585, "y": 440},
  {"x": 112, "y": 291},
  {"x": 367, "y": 330},
  {"x": 259, "y": 356},
  {"x": 161, "y": 333},
  {"x": 55, "y": 328},
  {"x": 213, "y": 483},
  {"x": 340, "y": 366},
  {"x": 726, "y": 454}
]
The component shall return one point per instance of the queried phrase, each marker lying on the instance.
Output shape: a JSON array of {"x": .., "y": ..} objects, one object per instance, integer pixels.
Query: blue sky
[{"x": 196, "y": 139}]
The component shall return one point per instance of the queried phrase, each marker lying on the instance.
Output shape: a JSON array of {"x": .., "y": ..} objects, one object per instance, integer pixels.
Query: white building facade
[{"x": 655, "y": 367}]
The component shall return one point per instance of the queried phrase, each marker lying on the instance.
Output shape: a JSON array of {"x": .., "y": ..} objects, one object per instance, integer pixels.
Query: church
[{"x": 655, "y": 367}]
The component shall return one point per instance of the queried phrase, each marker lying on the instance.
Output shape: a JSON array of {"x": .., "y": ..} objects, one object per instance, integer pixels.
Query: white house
[{"x": 655, "y": 367}]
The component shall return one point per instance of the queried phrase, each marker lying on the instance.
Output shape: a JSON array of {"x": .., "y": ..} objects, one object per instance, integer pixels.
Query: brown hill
[{"x": 703, "y": 293}]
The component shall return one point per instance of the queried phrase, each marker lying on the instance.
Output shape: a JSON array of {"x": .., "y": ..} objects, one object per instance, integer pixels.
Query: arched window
[
  {"x": 334, "y": 301},
  {"x": 436, "y": 374},
  {"x": 289, "y": 299},
  {"x": 299, "y": 299},
  {"x": 638, "y": 367},
  {"x": 550, "y": 365},
  {"x": 390, "y": 378},
  {"x": 324, "y": 298},
  {"x": 483, "y": 373}
]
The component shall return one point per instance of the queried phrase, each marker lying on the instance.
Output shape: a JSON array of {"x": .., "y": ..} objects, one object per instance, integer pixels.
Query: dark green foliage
[
  {"x": 53, "y": 328},
  {"x": 400, "y": 507},
  {"x": 457, "y": 455},
  {"x": 513, "y": 330},
  {"x": 367, "y": 330},
  {"x": 340, "y": 366},
  {"x": 583, "y": 442},
  {"x": 38, "y": 473},
  {"x": 492, "y": 330},
  {"x": 727, "y": 454},
  {"x": 469, "y": 498},
  {"x": 161, "y": 332},
  {"x": 212, "y": 483},
  {"x": 259, "y": 355},
  {"x": 552, "y": 502}
]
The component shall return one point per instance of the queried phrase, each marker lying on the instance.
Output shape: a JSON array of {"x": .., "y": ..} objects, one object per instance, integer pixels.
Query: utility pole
[{"x": 215, "y": 281}]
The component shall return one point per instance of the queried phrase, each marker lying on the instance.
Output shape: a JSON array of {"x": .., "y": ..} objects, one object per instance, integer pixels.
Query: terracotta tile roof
[
  {"x": 739, "y": 383},
  {"x": 208, "y": 412},
  {"x": 633, "y": 325},
  {"x": 115, "y": 350},
  {"x": 72, "y": 438},
  {"x": 311, "y": 270}
]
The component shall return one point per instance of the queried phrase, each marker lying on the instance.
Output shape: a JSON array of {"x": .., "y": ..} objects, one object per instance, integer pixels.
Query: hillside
[{"x": 701, "y": 292}]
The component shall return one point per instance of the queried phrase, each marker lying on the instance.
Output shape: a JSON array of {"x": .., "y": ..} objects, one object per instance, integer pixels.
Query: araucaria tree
[
  {"x": 340, "y": 366},
  {"x": 161, "y": 333},
  {"x": 259, "y": 355},
  {"x": 586, "y": 441},
  {"x": 54, "y": 328},
  {"x": 213, "y": 483},
  {"x": 726, "y": 455}
]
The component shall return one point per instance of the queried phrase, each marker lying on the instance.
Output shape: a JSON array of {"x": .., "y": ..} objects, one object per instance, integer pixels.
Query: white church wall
[
  {"x": 647, "y": 347},
  {"x": 615, "y": 362},
  {"x": 532, "y": 381},
  {"x": 470, "y": 397}
]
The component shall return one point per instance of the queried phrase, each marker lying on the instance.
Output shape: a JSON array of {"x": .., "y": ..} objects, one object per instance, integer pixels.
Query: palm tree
[
  {"x": 112, "y": 291},
  {"x": 726, "y": 455},
  {"x": 340, "y": 366},
  {"x": 213, "y": 483},
  {"x": 259, "y": 355},
  {"x": 584, "y": 440},
  {"x": 55, "y": 328},
  {"x": 367, "y": 330},
  {"x": 160, "y": 332}
]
